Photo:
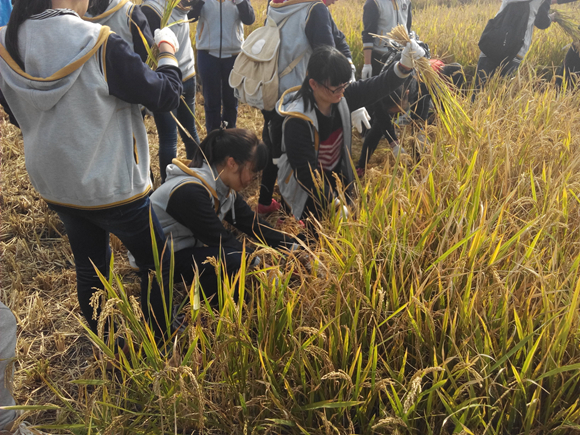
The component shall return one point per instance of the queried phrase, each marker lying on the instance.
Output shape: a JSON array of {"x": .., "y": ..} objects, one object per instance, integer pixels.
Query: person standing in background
[
  {"x": 379, "y": 18},
  {"x": 166, "y": 124},
  {"x": 539, "y": 17},
  {"x": 218, "y": 39}
]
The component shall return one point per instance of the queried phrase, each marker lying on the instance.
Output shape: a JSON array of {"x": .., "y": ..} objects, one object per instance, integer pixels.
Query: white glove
[
  {"x": 166, "y": 35},
  {"x": 367, "y": 71},
  {"x": 353, "y": 69},
  {"x": 411, "y": 53},
  {"x": 342, "y": 209},
  {"x": 552, "y": 16},
  {"x": 360, "y": 117}
]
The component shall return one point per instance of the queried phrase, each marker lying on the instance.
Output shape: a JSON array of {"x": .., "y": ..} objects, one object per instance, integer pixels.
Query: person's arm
[
  {"x": 131, "y": 80},
  {"x": 560, "y": 2},
  {"x": 542, "y": 20},
  {"x": 247, "y": 14},
  {"x": 365, "y": 92},
  {"x": 139, "y": 30},
  {"x": 340, "y": 40},
  {"x": 318, "y": 28},
  {"x": 251, "y": 224},
  {"x": 302, "y": 158},
  {"x": 195, "y": 11},
  {"x": 152, "y": 16},
  {"x": 410, "y": 18},
  {"x": 191, "y": 206}
]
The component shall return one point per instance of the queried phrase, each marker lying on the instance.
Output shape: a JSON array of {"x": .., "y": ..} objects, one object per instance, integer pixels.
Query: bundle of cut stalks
[
  {"x": 569, "y": 26},
  {"x": 450, "y": 111}
]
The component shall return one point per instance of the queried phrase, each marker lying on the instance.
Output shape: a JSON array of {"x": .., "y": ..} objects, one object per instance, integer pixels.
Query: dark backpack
[{"x": 503, "y": 36}]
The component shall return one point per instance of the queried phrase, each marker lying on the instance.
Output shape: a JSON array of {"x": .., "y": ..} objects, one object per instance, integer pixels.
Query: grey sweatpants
[{"x": 7, "y": 353}]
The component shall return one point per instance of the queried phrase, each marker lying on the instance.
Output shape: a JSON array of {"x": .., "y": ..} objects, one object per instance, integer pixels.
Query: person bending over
[{"x": 200, "y": 194}]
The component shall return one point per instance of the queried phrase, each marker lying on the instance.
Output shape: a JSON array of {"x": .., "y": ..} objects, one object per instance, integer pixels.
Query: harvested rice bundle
[
  {"x": 450, "y": 111},
  {"x": 569, "y": 26}
]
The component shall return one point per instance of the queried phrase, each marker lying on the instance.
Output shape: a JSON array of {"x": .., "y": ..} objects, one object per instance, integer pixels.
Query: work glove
[
  {"x": 367, "y": 71},
  {"x": 411, "y": 53},
  {"x": 360, "y": 117},
  {"x": 166, "y": 35},
  {"x": 353, "y": 71},
  {"x": 342, "y": 209}
]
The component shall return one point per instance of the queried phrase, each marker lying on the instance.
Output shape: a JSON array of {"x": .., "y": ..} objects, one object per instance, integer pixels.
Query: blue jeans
[
  {"x": 167, "y": 128},
  {"x": 215, "y": 74},
  {"x": 88, "y": 233}
]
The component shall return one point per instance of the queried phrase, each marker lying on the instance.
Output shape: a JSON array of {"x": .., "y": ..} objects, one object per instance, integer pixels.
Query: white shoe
[
  {"x": 132, "y": 261},
  {"x": 398, "y": 151},
  {"x": 403, "y": 120}
]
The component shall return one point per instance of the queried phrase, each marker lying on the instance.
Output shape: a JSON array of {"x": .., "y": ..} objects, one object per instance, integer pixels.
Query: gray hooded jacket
[
  {"x": 178, "y": 173},
  {"x": 103, "y": 160},
  {"x": 290, "y": 188}
]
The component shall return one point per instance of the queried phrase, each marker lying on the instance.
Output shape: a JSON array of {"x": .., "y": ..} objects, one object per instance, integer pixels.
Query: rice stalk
[
  {"x": 451, "y": 113},
  {"x": 569, "y": 25}
]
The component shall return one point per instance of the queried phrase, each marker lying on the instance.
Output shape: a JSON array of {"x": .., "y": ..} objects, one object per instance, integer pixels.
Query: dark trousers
[
  {"x": 88, "y": 233},
  {"x": 167, "y": 128},
  {"x": 486, "y": 67},
  {"x": 217, "y": 92},
  {"x": 186, "y": 259},
  {"x": 272, "y": 137}
]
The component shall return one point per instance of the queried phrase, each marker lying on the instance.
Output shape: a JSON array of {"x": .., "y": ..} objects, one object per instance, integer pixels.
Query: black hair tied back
[{"x": 240, "y": 144}]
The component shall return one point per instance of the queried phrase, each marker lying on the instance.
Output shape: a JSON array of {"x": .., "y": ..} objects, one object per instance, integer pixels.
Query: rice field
[{"x": 448, "y": 304}]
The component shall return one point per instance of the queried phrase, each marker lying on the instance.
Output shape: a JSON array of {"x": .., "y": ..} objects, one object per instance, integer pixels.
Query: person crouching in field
[
  {"x": 199, "y": 194},
  {"x": 126, "y": 20},
  {"x": 317, "y": 132},
  {"x": 74, "y": 88},
  {"x": 410, "y": 96}
]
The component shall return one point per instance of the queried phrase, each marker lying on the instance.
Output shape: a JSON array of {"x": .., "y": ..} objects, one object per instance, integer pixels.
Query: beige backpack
[{"x": 255, "y": 77}]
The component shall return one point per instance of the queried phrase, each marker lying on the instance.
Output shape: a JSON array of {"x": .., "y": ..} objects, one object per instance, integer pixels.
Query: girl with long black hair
[{"x": 317, "y": 131}]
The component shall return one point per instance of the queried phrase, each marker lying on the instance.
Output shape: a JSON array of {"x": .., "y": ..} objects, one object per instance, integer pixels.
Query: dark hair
[
  {"x": 327, "y": 66},
  {"x": 23, "y": 9},
  {"x": 97, "y": 7},
  {"x": 241, "y": 144}
]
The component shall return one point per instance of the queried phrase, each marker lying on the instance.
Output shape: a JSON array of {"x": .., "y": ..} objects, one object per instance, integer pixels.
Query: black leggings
[{"x": 186, "y": 259}]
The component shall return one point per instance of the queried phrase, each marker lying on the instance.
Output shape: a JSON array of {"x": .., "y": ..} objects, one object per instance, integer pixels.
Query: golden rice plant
[
  {"x": 451, "y": 113},
  {"x": 569, "y": 25}
]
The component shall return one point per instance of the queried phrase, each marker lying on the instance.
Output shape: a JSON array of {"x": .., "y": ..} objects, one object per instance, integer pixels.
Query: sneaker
[
  {"x": 132, "y": 261},
  {"x": 403, "y": 120},
  {"x": 360, "y": 172},
  {"x": 398, "y": 151},
  {"x": 268, "y": 209}
]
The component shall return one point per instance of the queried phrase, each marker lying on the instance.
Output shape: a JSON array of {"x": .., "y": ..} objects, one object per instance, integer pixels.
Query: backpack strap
[{"x": 292, "y": 65}]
